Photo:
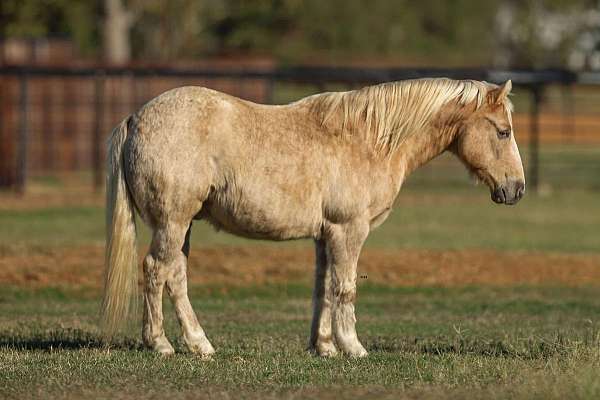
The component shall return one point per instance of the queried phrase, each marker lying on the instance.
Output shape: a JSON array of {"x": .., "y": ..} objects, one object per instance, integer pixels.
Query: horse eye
[{"x": 504, "y": 134}]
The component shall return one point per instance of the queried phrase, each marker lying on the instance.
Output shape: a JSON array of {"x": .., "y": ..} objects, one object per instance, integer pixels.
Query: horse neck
[{"x": 438, "y": 135}]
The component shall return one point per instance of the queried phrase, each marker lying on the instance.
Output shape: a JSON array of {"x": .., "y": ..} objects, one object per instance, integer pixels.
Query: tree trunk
[{"x": 117, "y": 24}]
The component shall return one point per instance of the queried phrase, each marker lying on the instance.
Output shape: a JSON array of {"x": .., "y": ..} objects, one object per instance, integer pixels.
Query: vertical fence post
[
  {"x": 23, "y": 133},
  {"x": 97, "y": 138},
  {"x": 534, "y": 138}
]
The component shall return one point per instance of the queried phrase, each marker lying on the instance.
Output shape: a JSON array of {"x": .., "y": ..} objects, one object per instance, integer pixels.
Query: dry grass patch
[{"x": 83, "y": 266}]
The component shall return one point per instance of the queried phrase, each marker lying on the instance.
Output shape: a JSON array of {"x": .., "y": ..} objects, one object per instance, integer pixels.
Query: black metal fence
[{"x": 98, "y": 97}]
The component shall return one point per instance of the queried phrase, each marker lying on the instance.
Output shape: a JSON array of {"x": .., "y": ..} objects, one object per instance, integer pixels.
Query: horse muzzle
[{"x": 509, "y": 193}]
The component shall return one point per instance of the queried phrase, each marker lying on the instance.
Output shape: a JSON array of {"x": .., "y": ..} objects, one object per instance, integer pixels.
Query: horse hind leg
[
  {"x": 193, "y": 334},
  {"x": 155, "y": 276},
  {"x": 165, "y": 264}
]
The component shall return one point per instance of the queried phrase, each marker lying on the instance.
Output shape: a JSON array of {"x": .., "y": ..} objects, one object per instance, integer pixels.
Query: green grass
[{"x": 432, "y": 342}]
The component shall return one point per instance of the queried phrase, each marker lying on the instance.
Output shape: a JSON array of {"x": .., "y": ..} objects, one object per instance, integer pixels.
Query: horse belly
[{"x": 264, "y": 214}]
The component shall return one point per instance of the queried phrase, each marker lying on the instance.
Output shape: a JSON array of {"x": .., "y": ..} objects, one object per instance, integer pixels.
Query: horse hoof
[
  {"x": 326, "y": 350},
  {"x": 354, "y": 350},
  {"x": 328, "y": 353},
  {"x": 358, "y": 353},
  {"x": 201, "y": 347},
  {"x": 203, "y": 353},
  {"x": 161, "y": 346},
  {"x": 165, "y": 350}
]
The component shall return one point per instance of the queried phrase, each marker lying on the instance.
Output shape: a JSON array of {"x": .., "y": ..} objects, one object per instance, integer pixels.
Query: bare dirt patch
[{"x": 82, "y": 266}]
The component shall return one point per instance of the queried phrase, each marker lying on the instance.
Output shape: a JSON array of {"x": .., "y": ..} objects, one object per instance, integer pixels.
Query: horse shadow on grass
[
  {"x": 64, "y": 339},
  {"x": 78, "y": 339}
]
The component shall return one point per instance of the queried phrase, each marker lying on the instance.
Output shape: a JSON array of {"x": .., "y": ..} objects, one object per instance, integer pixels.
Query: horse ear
[{"x": 500, "y": 94}]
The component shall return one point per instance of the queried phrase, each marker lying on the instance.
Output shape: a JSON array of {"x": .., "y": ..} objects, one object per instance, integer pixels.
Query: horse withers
[{"x": 327, "y": 167}]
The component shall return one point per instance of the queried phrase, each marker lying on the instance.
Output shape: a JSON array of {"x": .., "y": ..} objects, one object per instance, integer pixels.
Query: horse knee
[
  {"x": 155, "y": 275},
  {"x": 177, "y": 278},
  {"x": 344, "y": 292}
]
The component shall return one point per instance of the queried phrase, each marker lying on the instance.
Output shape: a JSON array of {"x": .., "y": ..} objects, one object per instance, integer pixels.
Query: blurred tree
[
  {"x": 352, "y": 29},
  {"x": 531, "y": 33},
  {"x": 166, "y": 30},
  {"x": 44, "y": 18},
  {"x": 454, "y": 32},
  {"x": 585, "y": 51},
  {"x": 117, "y": 24}
]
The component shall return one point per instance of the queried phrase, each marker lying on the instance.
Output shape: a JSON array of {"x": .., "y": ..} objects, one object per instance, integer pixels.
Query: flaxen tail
[{"x": 120, "y": 280}]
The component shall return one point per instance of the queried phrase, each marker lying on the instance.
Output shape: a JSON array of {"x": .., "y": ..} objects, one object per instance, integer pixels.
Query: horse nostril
[
  {"x": 504, "y": 198},
  {"x": 520, "y": 189}
]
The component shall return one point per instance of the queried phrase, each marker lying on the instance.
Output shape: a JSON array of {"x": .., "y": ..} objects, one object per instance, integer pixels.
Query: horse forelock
[{"x": 390, "y": 113}]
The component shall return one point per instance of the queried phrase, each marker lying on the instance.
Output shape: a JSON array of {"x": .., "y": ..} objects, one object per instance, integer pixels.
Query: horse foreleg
[
  {"x": 193, "y": 334},
  {"x": 321, "y": 339},
  {"x": 343, "y": 248}
]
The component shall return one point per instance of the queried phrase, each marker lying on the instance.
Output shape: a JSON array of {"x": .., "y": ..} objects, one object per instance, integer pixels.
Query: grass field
[
  {"x": 461, "y": 299},
  {"x": 431, "y": 342}
]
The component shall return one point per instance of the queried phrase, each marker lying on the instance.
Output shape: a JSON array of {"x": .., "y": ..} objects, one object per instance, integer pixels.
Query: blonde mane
[{"x": 391, "y": 112}]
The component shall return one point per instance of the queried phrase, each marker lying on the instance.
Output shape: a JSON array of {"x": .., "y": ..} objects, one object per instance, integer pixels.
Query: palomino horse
[{"x": 327, "y": 167}]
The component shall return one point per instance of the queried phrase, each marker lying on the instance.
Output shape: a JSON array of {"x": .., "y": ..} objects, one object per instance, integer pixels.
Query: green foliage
[
  {"x": 349, "y": 29},
  {"x": 459, "y": 32},
  {"x": 78, "y": 20}
]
